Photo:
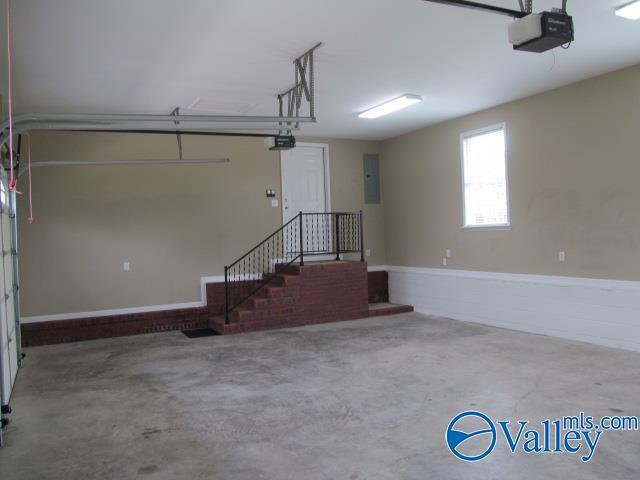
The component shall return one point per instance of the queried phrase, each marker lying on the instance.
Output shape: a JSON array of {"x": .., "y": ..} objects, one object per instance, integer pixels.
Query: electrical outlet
[
  {"x": 448, "y": 253},
  {"x": 562, "y": 257},
  {"x": 444, "y": 261},
  {"x": 274, "y": 202},
  {"x": 367, "y": 252},
  {"x": 126, "y": 266}
]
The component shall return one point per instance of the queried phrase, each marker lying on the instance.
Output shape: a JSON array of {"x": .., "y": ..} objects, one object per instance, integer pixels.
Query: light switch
[
  {"x": 274, "y": 202},
  {"x": 126, "y": 266}
]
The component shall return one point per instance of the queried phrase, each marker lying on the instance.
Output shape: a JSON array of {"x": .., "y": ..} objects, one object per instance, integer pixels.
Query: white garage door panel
[
  {"x": 9, "y": 348},
  {"x": 12, "y": 338},
  {"x": 7, "y": 381}
]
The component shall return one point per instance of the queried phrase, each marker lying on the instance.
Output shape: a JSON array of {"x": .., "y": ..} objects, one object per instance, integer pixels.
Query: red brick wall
[
  {"x": 333, "y": 291},
  {"x": 63, "y": 331}
]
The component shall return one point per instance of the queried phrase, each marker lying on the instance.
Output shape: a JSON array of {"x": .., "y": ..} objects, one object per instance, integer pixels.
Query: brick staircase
[
  {"x": 276, "y": 284},
  {"x": 318, "y": 292}
]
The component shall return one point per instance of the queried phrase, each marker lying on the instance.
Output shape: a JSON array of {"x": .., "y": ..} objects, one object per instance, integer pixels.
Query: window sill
[{"x": 487, "y": 227}]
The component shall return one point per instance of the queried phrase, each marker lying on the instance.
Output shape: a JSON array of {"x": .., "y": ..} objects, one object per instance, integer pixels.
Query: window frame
[{"x": 474, "y": 133}]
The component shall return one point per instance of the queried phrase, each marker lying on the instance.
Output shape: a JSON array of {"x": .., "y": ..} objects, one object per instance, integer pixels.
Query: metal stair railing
[{"x": 306, "y": 234}]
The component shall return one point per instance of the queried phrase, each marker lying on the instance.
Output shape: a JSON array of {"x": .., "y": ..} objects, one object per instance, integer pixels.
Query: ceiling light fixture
[
  {"x": 391, "y": 106},
  {"x": 630, "y": 10}
]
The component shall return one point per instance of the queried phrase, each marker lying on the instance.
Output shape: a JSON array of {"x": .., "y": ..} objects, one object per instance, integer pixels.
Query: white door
[
  {"x": 304, "y": 190},
  {"x": 8, "y": 335}
]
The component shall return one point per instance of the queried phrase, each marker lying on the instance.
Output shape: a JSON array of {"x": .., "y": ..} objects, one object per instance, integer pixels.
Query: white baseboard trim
[
  {"x": 377, "y": 268},
  {"x": 598, "y": 311},
  {"x": 128, "y": 311}
]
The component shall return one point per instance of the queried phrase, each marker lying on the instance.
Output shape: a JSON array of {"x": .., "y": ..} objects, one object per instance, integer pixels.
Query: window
[{"x": 484, "y": 171}]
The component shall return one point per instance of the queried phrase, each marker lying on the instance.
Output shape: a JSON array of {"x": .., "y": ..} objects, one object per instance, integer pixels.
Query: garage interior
[{"x": 240, "y": 241}]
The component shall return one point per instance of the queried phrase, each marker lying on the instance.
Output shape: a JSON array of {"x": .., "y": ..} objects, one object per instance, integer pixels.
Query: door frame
[{"x": 327, "y": 176}]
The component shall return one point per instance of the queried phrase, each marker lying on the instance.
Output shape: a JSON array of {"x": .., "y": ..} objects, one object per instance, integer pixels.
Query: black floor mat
[{"x": 201, "y": 332}]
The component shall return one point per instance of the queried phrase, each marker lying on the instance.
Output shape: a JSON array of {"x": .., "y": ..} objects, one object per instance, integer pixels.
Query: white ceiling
[{"x": 148, "y": 56}]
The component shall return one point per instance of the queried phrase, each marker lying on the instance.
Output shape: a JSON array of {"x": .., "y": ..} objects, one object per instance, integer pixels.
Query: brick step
[
  {"x": 382, "y": 309},
  {"x": 245, "y": 315},
  {"x": 271, "y": 291},
  {"x": 217, "y": 325},
  {"x": 255, "y": 303},
  {"x": 292, "y": 269},
  {"x": 284, "y": 280},
  {"x": 266, "y": 302}
]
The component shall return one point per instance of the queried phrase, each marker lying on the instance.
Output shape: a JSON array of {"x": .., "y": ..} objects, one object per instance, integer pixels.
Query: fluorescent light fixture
[
  {"x": 630, "y": 11},
  {"x": 391, "y": 106}
]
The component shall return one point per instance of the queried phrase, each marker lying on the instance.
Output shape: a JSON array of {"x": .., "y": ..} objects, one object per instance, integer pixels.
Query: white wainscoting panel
[{"x": 603, "y": 312}]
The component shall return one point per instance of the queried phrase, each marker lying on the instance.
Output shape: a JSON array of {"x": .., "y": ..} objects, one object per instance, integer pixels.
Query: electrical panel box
[{"x": 371, "y": 164}]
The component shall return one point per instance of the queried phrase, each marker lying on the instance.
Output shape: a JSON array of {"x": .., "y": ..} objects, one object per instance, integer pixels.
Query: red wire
[
  {"x": 7, "y": 4},
  {"x": 30, "y": 218}
]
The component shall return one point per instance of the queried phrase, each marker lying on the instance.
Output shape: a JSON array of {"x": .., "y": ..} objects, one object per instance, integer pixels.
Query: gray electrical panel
[{"x": 371, "y": 166}]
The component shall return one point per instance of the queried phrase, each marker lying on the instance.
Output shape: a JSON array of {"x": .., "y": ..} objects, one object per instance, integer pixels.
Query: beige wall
[
  {"x": 173, "y": 223},
  {"x": 574, "y": 173},
  {"x": 574, "y": 170}
]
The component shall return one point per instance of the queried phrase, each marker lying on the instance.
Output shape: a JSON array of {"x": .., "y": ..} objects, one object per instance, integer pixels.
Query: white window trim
[{"x": 474, "y": 133}]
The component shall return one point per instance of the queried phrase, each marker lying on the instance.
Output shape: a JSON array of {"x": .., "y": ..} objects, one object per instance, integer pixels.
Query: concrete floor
[{"x": 368, "y": 399}]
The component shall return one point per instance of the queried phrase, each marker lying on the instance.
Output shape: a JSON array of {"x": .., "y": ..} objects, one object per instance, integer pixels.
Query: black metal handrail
[{"x": 306, "y": 234}]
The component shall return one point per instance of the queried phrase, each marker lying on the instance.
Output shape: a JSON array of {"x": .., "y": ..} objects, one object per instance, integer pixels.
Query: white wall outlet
[
  {"x": 126, "y": 266},
  {"x": 274, "y": 202},
  {"x": 562, "y": 257},
  {"x": 367, "y": 252},
  {"x": 444, "y": 261},
  {"x": 448, "y": 253}
]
